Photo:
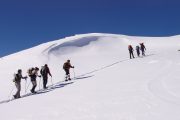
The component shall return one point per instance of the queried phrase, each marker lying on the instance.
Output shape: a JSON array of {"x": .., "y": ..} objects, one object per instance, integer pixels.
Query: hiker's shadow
[
  {"x": 50, "y": 88},
  {"x": 60, "y": 84}
]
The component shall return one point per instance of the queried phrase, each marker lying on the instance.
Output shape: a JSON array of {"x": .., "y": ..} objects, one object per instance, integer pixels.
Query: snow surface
[{"x": 110, "y": 86}]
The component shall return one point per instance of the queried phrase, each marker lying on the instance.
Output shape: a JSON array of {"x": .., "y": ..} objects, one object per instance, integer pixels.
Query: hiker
[
  {"x": 33, "y": 73},
  {"x": 17, "y": 80},
  {"x": 66, "y": 67},
  {"x": 44, "y": 73},
  {"x": 130, "y": 48},
  {"x": 138, "y": 50},
  {"x": 143, "y": 48}
]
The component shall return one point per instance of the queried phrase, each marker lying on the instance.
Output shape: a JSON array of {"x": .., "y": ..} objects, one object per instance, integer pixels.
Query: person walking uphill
[
  {"x": 17, "y": 80},
  {"x": 130, "y": 48},
  {"x": 44, "y": 73},
  {"x": 67, "y": 65},
  {"x": 33, "y": 75},
  {"x": 143, "y": 48},
  {"x": 138, "y": 50}
]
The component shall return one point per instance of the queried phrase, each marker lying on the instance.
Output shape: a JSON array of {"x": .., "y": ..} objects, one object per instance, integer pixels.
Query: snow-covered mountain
[{"x": 108, "y": 85}]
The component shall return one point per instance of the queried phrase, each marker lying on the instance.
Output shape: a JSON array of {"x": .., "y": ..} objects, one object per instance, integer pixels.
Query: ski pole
[
  {"x": 51, "y": 81},
  {"x": 11, "y": 92},
  {"x": 74, "y": 72},
  {"x": 25, "y": 85},
  {"x": 40, "y": 83},
  {"x": 28, "y": 86}
]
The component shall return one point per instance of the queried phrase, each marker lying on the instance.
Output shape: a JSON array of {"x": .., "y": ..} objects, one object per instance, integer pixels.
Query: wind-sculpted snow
[{"x": 67, "y": 47}]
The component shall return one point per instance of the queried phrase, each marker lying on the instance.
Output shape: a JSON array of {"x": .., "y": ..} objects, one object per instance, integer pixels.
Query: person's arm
[
  {"x": 49, "y": 72},
  {"x": 25, "y": 77},
  {"x": 36, "y": 73},
  {"x": 71, "y": 65}
]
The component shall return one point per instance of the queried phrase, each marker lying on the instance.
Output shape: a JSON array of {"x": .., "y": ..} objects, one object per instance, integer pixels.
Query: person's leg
[
  {"x": 16, "y": 84},
  {"x": 19, "y": 90},
  {"x": 130, "y": 54},
  {"x": 44, "y": 82},
  {"x": 69, "y": 78},
  {"x": 65, "y": 74},
  {"x": 34, "y": 86},
  {"x": 138, "y": 53}
]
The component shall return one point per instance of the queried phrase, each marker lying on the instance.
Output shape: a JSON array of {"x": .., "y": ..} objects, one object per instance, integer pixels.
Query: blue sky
[{"x": 26, "y": 23}]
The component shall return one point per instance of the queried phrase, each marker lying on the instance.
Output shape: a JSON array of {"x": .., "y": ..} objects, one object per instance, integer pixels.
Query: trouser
[
  {"x": 131, "y": 54},
  {"x": 45, "y": 79},
  {"x": 138, "y": 53},
  {"x": 18, "y": 86},
  {"x": 143, "y": 53},
  {"x": 67, "y": 73},
  {"x": 34, "y": 83}
]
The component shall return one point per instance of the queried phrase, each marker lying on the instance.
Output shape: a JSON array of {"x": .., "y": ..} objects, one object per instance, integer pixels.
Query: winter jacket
[{"x": 67, "y": 66}]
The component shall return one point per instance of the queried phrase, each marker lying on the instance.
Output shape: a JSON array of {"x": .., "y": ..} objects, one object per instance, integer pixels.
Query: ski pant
[
  {"x": 138, "y": 53},
  {"x": 131, "y": 54},
  {"x": 45, "y": 80},
  {"x": 143, "y": 52},
  {"x": 18, "y": 86},
  {"x": 67, "y": 73},
  {"x": 34, "y": 83}
]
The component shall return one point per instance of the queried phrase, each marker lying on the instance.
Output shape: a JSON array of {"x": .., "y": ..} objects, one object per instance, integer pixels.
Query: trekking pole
[
  {"x": 28, "y": 86},
  {"x": 40, "y": 83},
  {"x": 51, "y": 81},
  {"x": 11, "y": 92},
  {"x": 74, "y": 73},
  {"x": 25, "y": 85}
]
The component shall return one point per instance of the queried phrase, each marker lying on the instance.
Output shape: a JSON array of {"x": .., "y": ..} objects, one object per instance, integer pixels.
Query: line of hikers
[
  {"x": 45, "y": 71},
  {"x": 33, "y": 74},
  {"x": 142, "y": 48}
]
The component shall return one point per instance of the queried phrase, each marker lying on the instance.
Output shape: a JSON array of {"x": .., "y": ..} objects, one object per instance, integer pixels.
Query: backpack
[
  {"x": 65, "y": 66},
  {"x": 30, "y": 71},
  {"x": 44, "y": 71},
  {"x": 137, "y": 48},
  {"x": 16, "y": 78}
]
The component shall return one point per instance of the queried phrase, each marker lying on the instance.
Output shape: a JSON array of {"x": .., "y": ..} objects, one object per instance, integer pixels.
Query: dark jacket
[
  {"x": 67, "y": 66},
  {"x": 45, "y": 71},
  {"x": 18, "y": 77},
  {"x": 130, "y": 48}
]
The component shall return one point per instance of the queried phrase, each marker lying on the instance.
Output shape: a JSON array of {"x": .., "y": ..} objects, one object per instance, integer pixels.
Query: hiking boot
[
  {"x": 32, "y": 91},
  {"x": 14, "y": 96},
  {"x": 45, "y": 87}
]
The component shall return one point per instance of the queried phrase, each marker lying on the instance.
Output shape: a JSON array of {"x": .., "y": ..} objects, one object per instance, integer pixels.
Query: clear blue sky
[{"x": 26, "y": 23}]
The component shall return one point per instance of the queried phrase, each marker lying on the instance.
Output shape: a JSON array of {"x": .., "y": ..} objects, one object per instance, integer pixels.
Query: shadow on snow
[
  {"x": 63, "y": 83},
  {"x": 49, "y": 88}
]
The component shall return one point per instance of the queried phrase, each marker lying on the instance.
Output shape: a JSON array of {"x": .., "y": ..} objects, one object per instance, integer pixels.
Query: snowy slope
[{"x": 110, "y": 86}]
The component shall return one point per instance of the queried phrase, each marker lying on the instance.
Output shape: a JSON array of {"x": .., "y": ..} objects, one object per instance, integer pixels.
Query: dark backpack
[
  {"x": 17, "y": 78},
  {"x": 30, "y": 71},
  {"x": 44, "y": 71},
  {"x": 65, "y": 66}
]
